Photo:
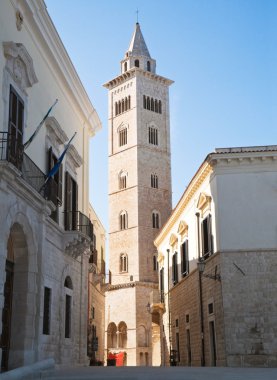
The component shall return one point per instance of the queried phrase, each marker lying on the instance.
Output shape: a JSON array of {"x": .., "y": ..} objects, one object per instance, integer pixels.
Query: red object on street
[{"x": 119, "y": 358}]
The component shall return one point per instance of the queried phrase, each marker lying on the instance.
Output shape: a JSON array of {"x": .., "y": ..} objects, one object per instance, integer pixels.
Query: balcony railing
[
  {"x": 77, "y": 221},
  {"x": 12, "y": 151}
]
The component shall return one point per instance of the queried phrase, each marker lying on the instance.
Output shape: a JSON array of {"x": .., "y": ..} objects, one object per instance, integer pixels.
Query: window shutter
[
  {"x": 50, "y": 159},
  {"x": 67, "y": 205},
  {"x": 60, "y": 185}
]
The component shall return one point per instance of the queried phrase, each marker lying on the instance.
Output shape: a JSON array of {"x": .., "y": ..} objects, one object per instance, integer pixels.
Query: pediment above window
[
  {"x": 204, "y": 202},
  {"x": 173, "y": 239},
  {"x": 55, "y": 132},
  {"x": 19, "y": 64},
  {"x": 74, "y": 156},
  {"x": 183, "y": 228}
]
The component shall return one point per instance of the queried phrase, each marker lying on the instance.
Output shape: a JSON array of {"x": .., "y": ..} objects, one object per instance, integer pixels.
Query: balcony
[
  {"x": 77, "y": 221},
  {"x": 157, "y": 302},
  {"x": 79, "y": 233},
  {"x": 11, "y": 151}
]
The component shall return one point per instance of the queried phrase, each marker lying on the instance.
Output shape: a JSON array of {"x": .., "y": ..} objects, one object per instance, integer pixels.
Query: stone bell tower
[{"x": 139, "y": 201}]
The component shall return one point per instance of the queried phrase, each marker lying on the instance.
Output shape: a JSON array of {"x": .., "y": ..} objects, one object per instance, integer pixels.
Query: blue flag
[
  {"x": 28, "y": 142},
  {"x": 56, "y": 167}
]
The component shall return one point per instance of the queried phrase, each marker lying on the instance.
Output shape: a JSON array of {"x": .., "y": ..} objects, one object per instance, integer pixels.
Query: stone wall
[{"x": 249, "y": 286}]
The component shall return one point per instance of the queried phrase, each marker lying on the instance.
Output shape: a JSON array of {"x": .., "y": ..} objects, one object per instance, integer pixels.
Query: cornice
[
  {"x": 151, "y": 285},
  {"x": 200, "y": 176},
  {"x": 35, "y": 12},
  {"x": 135, "y": 72}
]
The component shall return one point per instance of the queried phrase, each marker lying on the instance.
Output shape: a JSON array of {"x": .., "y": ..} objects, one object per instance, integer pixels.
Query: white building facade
[
  {"x": 45, "y": 231},
  {"x": 223, "y": 314},
  {"x": 139, "y": 200}
]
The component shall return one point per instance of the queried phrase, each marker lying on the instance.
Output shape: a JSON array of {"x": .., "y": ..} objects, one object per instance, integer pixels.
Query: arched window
[
  {"x": 153, "y": 135},
  {"x": 148, "y": 103},
  {"x": 123, "y": 220},
  {"x": 152, "y": 104},
  {"x": 122, "y": 181},
  {"x": 112, "y": 336},
  {"x": 122, "y": 105},
  {"x": 144, "y": 102},
  {"x": 126, "y": 104},
  {"x": 119, "y": 107},
  {"x": 125, "y": 66},
  {"x": 122, "y": 335},
  {"x": 123, "y": 136},
  {"x": 116, "y": 108},
  {"x": 123, "y": 263},
  {"x": 154, "y": 181},
  {"x": 156, "y": 106},
  {"x": 68, "y": 283},
  {"x": 137, "y": 63},
  {"x": 160, "y": 106},
  {"x": 142, "y": 336},
  {"x": 148, "y": 66},
  {"x": 129, "y": 102},
  {"x": 155, "y": 219}
]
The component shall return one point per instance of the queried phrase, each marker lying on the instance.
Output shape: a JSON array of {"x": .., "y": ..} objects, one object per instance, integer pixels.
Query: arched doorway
[
  {"x": 7, "y": 307},
  {"x": 18, "y": 311}
]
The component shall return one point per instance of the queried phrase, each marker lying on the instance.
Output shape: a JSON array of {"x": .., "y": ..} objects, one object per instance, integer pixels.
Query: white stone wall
[{"x": 44, "y": 253}]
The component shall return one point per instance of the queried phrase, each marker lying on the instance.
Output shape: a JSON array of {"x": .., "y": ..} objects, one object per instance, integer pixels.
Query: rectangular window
[
  {"x": 174, "y": 269},
  {"x": 162, "y": 284},
  {"x": 71, "y": 203},
  {"x": 16, "y": 128},
  {"x": 210, "y": 308},
  {"x": 207, "y": 237},
  {"x": 67, "y": 316},
  {"x": 46, "y": 311},
  {"x": 185, "y": 258},
  {"x": 188, "y": 348}
]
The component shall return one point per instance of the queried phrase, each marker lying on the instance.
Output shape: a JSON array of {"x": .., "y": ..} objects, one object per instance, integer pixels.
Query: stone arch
[
  {"x": 142, "y": 336},
  {"x": 112, "y": 335},
  {"x": 20, "y": 294},
  {"x": 122, "y": 335}
]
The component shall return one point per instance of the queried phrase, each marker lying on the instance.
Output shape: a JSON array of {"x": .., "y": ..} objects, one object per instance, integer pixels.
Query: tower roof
[{"x": 137, "y": 45}]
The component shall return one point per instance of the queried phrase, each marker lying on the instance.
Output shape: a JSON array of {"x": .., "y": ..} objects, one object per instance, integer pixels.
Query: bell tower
[{"x": 139, "y": 200}]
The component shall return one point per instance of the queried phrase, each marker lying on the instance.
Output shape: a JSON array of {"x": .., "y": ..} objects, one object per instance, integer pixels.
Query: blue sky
[{"x": 222, "y": 56}]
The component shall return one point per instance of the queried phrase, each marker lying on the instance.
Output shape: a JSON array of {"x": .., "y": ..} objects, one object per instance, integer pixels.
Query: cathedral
[{"x": 139, "y": 203}]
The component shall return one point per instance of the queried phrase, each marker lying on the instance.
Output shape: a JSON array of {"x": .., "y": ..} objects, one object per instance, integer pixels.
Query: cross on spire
[{"x": 137, "y": 12}]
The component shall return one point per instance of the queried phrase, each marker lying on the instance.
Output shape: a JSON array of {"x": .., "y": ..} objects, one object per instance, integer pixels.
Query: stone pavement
[{"x": 165, "y": 373}]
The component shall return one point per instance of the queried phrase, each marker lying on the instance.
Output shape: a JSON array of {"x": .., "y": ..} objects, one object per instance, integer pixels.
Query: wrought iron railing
[
  {"x": 77, "y": 221},
  {"x": 12, "y": 151}
]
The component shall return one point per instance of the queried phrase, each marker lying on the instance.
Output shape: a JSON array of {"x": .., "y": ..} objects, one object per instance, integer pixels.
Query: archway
[{"x": 18, "y": 312}]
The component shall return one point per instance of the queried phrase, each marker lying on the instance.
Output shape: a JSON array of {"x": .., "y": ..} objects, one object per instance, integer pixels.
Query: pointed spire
[{"x": 138, "y": 46}]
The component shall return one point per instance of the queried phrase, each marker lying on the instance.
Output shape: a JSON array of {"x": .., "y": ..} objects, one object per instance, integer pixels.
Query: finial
[{"x": 137, "y": 12}]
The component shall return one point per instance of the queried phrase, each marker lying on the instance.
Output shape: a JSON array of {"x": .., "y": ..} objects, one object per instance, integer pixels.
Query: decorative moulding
[
  {"x": 74, "y": 156},
  {"x": 183, "y": 228},
  {"x": 173, "y": 239},
  {"x": 19, "y": 64},
  {"x": 55, "y": 131},
  {"x": 204, "y": 202}
]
